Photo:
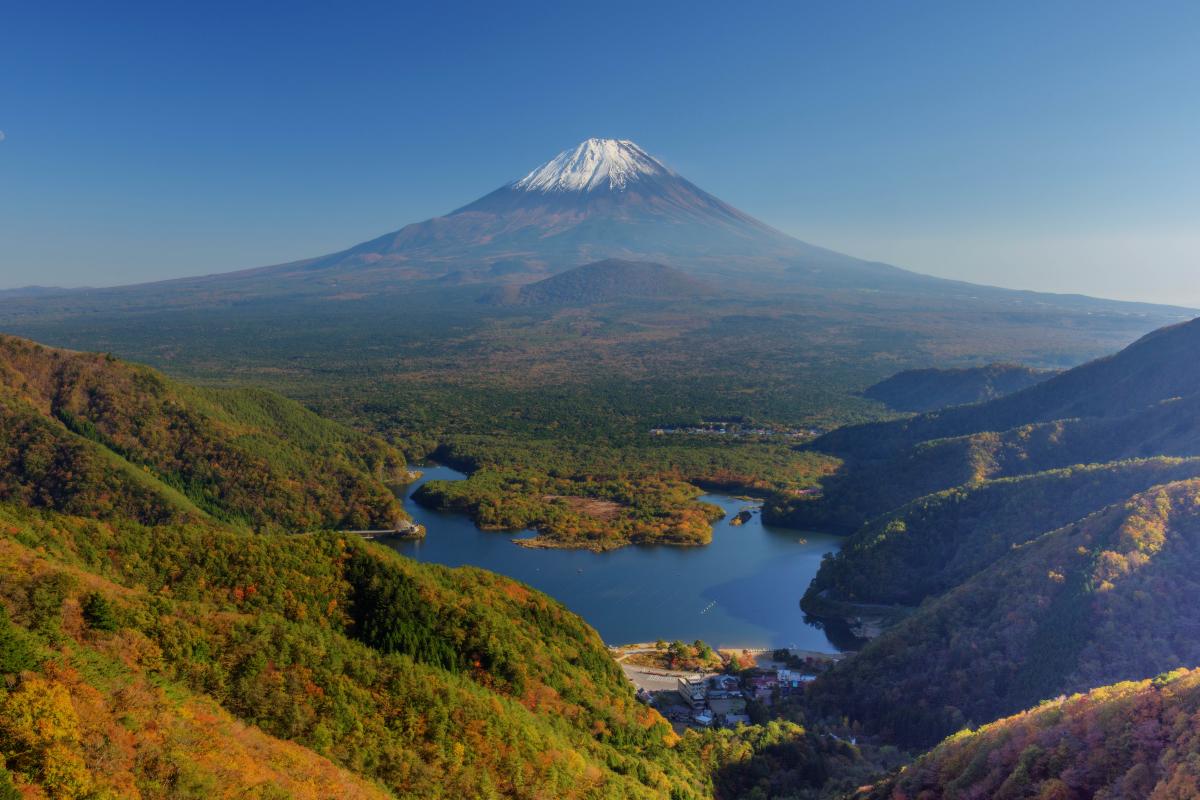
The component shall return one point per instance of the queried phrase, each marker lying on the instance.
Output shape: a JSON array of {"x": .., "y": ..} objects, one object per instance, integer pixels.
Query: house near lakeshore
[
  {"x": 762, "y": 687},
  {"x": 694, "y": 691},
  {"x": 724, "y": 685},
  {"x": 792, "y": 681}
]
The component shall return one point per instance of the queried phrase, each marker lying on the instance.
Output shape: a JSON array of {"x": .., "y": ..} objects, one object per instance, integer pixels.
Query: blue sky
[{"x": 1048, "y": 145}]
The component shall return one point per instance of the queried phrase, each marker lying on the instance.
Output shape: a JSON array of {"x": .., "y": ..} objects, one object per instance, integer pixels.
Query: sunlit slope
[
  {"x": 92, "y": 435},
  {"x": 427, "y": 681},
  {"x": 1129, "y": 740}
]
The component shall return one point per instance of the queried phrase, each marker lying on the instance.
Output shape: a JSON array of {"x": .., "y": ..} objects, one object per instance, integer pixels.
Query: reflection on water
[{"x": 742, "y": 590}]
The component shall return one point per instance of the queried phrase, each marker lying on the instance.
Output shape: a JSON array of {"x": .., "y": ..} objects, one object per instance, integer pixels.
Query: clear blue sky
[{"x": 1050, "y": 145}]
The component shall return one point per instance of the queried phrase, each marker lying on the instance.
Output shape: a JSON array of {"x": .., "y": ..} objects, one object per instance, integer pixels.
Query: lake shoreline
[{"x": 744, "y": 587}]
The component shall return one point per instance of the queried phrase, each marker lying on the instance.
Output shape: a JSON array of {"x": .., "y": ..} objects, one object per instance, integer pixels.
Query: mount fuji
[
  {"x": 604, "y": 202},
  {"x": 603, "y": 199},
  {"x": 602, "y": 256}
]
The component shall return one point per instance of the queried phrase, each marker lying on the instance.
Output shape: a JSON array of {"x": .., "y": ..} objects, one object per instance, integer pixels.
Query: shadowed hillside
[
  {"x": 931, "y": 545},
  {"x": 931, "y": 389},
  {"x": 1111, "y": 597},
  {"x": 1138, "y": 403}
]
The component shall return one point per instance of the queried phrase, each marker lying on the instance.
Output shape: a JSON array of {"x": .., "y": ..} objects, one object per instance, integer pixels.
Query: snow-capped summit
[
  {"x": 603, "y": 199},
  {"x": 594, "y": 164}
]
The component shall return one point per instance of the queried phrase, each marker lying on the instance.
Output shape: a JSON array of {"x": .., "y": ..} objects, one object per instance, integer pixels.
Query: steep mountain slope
[
  {"x": 933, "y": 544},
  {"x": 88, "y": 434},
  {"x": 190, "y": 658},
  {"x": 605, "y": 282},
  {"x": 1109, "y": 598},
  {"x": 1157, "y": 367},
  {"x": 1138, "y": 403},
  {"x": 431, "y": 682},
  {"x": 931, "y": 389},
  {"x": 604, "y": 198},
  {"x": 1131, "y": 741}
]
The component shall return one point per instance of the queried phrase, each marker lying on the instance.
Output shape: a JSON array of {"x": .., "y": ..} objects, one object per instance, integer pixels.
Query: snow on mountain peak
[{"x": 594, "y": 164}]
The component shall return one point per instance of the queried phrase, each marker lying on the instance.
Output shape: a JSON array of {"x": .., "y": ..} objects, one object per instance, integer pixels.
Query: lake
[{"x": 743, "y": 590}]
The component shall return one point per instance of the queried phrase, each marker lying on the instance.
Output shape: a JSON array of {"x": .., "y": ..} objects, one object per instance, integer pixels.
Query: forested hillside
[
  {"x": 429, "y": 681},
  {"x": 1111, "y": 597},
  {"x": 1141, "y": 402},
  {"x": 1155, "y": 368},
  {"x": 935, "y": 543},
  {"x": 88, "y": 434},
  {"x": 153, "y": 646},
  {"x": 1131, "y": 741}
]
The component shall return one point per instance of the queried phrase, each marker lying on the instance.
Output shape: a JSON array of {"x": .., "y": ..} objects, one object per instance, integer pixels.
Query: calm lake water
[{"x": 743, "y": 590}]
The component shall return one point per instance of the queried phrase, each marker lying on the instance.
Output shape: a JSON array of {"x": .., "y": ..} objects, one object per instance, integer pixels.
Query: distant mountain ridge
[
  {"x": 602, "y": 199},
  {"x": 1157, "y": 367}
]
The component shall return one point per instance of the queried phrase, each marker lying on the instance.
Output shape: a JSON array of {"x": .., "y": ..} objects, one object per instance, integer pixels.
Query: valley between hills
[{"x": 1015, "y": 476}]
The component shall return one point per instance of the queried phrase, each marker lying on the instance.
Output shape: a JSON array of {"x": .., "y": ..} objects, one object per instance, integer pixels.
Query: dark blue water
[{"x": 743, "y": 590}]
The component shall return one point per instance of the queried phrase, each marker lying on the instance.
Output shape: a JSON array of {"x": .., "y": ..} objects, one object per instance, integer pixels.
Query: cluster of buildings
[
  {"x": 716, "y": 429},
  {"x": 721, "y": 699}
]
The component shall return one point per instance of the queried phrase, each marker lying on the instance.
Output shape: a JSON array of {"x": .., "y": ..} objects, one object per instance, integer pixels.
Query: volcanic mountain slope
[
  {"x": 606, "y": 198},
  {"x": 603, "y": 199},
  {"x": 91, "y": 435},
  {"x": 604, "y": 282},
  {"x": 931, "y": 389}
]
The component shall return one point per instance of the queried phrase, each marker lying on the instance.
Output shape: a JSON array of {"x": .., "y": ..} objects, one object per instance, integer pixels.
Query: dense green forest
[
  {"x": 435, "y": 370},
  {"x": 594, "y": 497},
  {"x": 91, "y": 435},
  {"x": 190, "y": 660},
  {"x": 1105, "y": 599},
  {"x": 933, "y": 544},
  {"x": 1027, "y": 528},
  {"x": 156, "y": 646},
  {"x": 429, "y": 681}
]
